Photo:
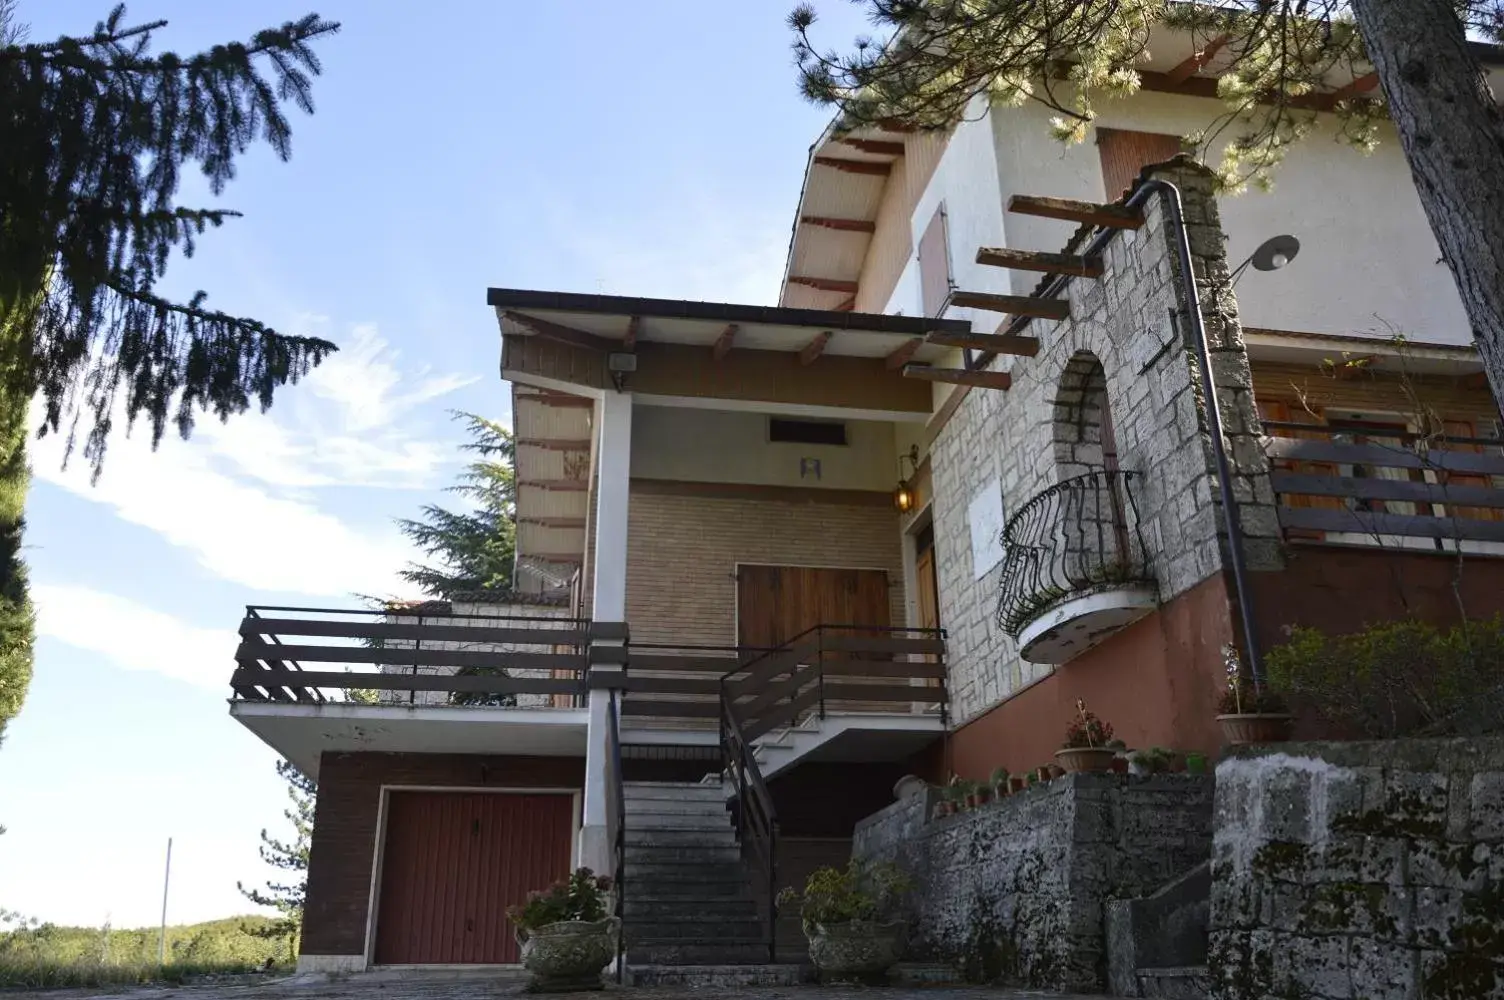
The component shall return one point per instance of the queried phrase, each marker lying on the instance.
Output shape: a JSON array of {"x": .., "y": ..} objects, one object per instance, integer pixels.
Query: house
[{"x": 957, "y": 480}]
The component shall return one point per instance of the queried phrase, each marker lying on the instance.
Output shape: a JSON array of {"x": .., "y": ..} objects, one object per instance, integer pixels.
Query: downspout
[{"x": 1208, "y": 388}]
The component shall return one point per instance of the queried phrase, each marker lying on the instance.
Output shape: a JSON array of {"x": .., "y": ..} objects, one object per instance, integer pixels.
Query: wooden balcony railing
[
  {"x": 1362, "y": 485},
  {"x": 423, "y": 655}
]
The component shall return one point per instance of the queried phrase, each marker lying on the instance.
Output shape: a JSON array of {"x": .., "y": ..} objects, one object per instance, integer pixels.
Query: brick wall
[
  {"x": 345, "y": 826},
  {"x": 683, "y": 549}
]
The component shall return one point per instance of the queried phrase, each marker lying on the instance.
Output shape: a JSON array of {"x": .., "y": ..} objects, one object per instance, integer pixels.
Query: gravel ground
[{"x": 475, "y": 986}]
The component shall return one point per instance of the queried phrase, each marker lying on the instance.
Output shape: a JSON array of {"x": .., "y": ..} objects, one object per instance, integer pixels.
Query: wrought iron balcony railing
[{"x": 1077, "y": 537}]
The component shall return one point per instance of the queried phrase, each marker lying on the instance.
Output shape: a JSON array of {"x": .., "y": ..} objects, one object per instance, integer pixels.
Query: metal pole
[
  {"x": 1214, "y": 426},
  {"x": 166, "y": 880}
]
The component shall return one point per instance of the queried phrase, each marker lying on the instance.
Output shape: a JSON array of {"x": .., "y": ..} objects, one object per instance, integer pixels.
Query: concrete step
[
  {"x": 642, "y": 791},
  {"x": 715, "y": 977},
  {"x": 666, "y": 837},
  {"x": 678, "y": 892},
  {"x": 1188, "y": 982},
  {"x": 915, "y": 973},
  {"x": 719, "y": 819},
  {"x": 682, "y": 854},
  {"x": 714, "y": 908},
  {"x": 687, "y": 952},
  {"x": 677, "y": 807},
  {"x": 693, "y": 926}
]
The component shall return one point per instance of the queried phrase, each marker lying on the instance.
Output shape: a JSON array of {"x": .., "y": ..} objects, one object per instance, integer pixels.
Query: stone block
[
  {"x": 1384, "y": 970},
  {"x": 1486, "y": 792},
  {"x": 1460, "y": 976},
  {"x": 1438, "y": 914},
  {"x": 1316, "y": 965},
  {"x": 1447, "y": 865}
]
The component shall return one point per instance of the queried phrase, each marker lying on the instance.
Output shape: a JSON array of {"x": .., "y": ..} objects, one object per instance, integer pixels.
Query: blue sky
[{"x": 644, "y": 149}]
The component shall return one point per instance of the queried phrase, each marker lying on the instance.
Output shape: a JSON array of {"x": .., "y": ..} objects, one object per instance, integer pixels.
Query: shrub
[
  {"x": 1403, "y": 678},
  {"x": 860, "y": 891},
  {"x": 581, "y": 896}
]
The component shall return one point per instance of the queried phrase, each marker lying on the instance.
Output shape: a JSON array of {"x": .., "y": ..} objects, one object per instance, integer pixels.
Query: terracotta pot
[
  {"x": 1000, "y": 791},
  {"x": 1042, "y": 773},
  {"x": 859, "y": 949},
  {"x": 1017, "y": 783},
  {"x": 1265, "y": 727},
  {"x": 1119, "y": 765},
  {"x": 1079, "y": 759},
  {"x": 569, "y": 955}
]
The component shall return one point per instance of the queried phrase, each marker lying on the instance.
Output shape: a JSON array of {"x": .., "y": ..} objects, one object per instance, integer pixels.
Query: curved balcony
[{"x": 1074, "y": 569}]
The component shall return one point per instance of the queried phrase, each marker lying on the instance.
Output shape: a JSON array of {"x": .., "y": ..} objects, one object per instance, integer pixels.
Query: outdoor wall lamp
[
  {"x": 1271, "y": 255},
  {"x": 903, "y": 494}
]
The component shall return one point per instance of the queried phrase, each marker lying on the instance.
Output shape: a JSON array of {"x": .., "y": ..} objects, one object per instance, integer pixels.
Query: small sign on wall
[{"x": 985, "y": 516}]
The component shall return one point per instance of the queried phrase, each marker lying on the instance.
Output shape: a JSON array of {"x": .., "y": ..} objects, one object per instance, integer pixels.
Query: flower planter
[
  {"x": 1076, "y": 760},
  {"x": 569, "y": 955},
  {"x": 1260, "y": 727},
  {"x": 858, "y": 949}
]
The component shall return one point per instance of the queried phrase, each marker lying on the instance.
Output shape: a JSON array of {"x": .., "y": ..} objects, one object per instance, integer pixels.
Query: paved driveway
[{"x": 474, "y": 986}]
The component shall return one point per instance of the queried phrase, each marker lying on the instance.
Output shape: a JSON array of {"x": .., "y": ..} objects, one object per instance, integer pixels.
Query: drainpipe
[{"x": 1208, "y": 386}]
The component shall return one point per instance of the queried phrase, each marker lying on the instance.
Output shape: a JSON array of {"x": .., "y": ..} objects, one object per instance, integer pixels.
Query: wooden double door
[{"x": 776, "y": 603}]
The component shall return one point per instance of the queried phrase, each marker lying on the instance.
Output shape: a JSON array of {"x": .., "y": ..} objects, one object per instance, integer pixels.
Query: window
[
  {"x": 806, "y": 431},
  {"x": 934, "y": 265},
  {"x": 1125, "y": 153}
]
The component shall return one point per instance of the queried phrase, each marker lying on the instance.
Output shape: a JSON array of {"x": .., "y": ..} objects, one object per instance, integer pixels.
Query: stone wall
[
  {"x": 1359, "y": 870},
  {"x": 1131, "y": 321},
  {"x": 1014, "y": 891}
]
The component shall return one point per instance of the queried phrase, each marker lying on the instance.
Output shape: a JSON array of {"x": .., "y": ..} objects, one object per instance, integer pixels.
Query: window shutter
[
  {"x": 934, "y": 265},
  {"x": 1125, "y": 153}
]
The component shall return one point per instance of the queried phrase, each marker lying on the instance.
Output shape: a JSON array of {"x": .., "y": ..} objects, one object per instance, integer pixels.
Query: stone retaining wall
[
  {"x": 1014, "y": 891},
  {"x": 1359, "y": 870}
]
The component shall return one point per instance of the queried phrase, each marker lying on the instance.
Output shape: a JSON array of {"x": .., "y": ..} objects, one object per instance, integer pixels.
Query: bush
[
  {"x": 1404, "y": 678},
  {"x": 581, "y": 896},
  {"x": 860, "y": 891}
]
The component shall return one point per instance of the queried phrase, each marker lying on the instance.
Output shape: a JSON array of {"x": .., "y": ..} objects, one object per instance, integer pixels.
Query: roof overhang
[
  {"x": 301, "y": 733},
  {"x": 1376, "y": 353}
]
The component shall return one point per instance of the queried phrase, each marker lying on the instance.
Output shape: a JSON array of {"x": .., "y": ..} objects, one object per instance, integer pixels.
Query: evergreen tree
[
  {"x": 1276, "y": 60},
  {"x": 475, "y": 549},
  {"x": 94, "y": 134},
  {"x": 288, "y": 897}
]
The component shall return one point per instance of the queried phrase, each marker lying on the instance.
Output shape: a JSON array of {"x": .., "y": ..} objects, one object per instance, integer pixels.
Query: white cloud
[
  {"x": 241, "y": 496},
  {"x": 93, "y": 620}
]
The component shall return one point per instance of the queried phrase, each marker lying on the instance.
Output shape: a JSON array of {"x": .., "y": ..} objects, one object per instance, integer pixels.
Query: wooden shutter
[
  {"x": 934, "y": 265},
  {"x": 1466, "y": 428},
  {"x": 1125, "y": 153}
]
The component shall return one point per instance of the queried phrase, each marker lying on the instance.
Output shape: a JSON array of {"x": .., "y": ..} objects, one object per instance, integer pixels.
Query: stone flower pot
[
  {"x": 569, "y": 955},
  {"x": 1251, "y": 727},
  {"x": 857, "y": 949},
  {"x": 1078, "y": 759}
]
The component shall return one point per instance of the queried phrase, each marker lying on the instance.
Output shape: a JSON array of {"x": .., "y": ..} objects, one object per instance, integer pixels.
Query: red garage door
[{"x": 454, "y": 862}]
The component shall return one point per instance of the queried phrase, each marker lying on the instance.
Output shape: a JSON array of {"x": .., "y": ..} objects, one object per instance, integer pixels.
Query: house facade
[{"x": 771, "y": 559}]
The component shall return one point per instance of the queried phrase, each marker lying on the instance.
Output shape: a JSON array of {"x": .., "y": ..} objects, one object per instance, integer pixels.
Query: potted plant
[
  {"x": 977, "y": 794},
  {"x": 1042, "y": 774},
  {"x": 566, "y": 936},
  {"x": 1249, "y": 713},
  {"x": 999, "y": 782},
  {"x": 1195, "y": 763},
  {"x": 848, "y": 918},
  {"x": 1155, "y": 760},
  {"x": 1018, "y": 782},
  {"x": 1086, "y": 742}
]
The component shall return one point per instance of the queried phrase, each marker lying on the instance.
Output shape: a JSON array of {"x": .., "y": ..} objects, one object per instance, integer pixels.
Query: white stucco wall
[
  {"x": 723, "y": 446},
  {"x": 1368, "y": 262}
]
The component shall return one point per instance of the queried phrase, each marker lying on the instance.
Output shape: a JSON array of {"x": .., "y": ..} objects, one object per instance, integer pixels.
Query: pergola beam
[
  {"x": 1197, "y": 61},
  {"x": 561, "y": 399},
  {"x": 871, "y": 167},
  {"x": 814, "y": 348},
  {"x": 996, "y": 343},
  {"x": 960, "y": 376},
  {"x": 549, "y": 330},
  {"x": 1360, "y": 85},
  {"x": 1017, "y": 305},
  {"x": 824, "y": 284},
  {"x": 562, "y": 523},
  {"x": 1036, "y": 260},
  {"x": 562, "y": 485},
  {"x": 555, "y": 444},
  {"x": 1071, "y": 210},
  {"x": 902, "y": 354},
  {"x": 877, "y": 147}
]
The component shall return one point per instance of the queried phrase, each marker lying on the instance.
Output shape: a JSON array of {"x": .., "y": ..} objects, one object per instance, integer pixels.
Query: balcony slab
[{"x": 1070, "y": 628}]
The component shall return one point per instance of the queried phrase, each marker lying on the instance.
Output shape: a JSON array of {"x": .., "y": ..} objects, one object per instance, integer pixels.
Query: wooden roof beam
[
  {"x": 555, "y": 444},
  {"x": 902, "y": 354},
  {"x": 634, "y": 327},
  {"x": 1071, "y": 210},
  {"x": 960, "y": 376},
  {"x": 815, "y": 348},
  {"x": 1035, "y": 260},
  {"x": 1197, "y": 61},
  {"x": 877, "y": 147},
  {"x": 1018, "y": 305},
  {"x": 847, "y": 306},
  {"x": 550, "y": 330},
  {"x": 557, "y": 399},
  {"x": 996, "y": 343},
  {"x": 845, "y": 225},
  {"x": 564, "y": 558},
  {"x": 722, "y": 346},
  {"x": 871, "y": 167},
  {"x": 563, "y": 523},
  {"x": 562, "y": 485},
  {"x": 824, "y": 284},
  {"x": 1359, "y": 86}
]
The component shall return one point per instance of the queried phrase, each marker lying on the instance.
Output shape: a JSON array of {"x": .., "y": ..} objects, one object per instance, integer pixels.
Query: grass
[{"x": 36, "y": 974}]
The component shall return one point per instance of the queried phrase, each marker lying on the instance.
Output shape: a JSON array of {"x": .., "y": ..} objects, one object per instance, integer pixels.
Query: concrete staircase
[{"x": 688, "y": 893}]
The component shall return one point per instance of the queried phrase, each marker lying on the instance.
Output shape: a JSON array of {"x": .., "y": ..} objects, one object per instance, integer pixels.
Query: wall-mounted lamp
[
  {"x": 1271, "y": 255},
  {"x": 903, "y": 495}
]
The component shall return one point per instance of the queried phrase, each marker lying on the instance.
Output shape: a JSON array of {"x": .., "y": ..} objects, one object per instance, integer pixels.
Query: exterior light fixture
[
  {"x": 1271, "y": 255},
  {"x": 903, "y": 494}
]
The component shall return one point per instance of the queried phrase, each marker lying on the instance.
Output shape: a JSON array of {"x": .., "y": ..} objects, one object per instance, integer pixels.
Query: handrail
[
  {"x": 756, "y": 816},
  {"x": 618, "y": 795}
]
